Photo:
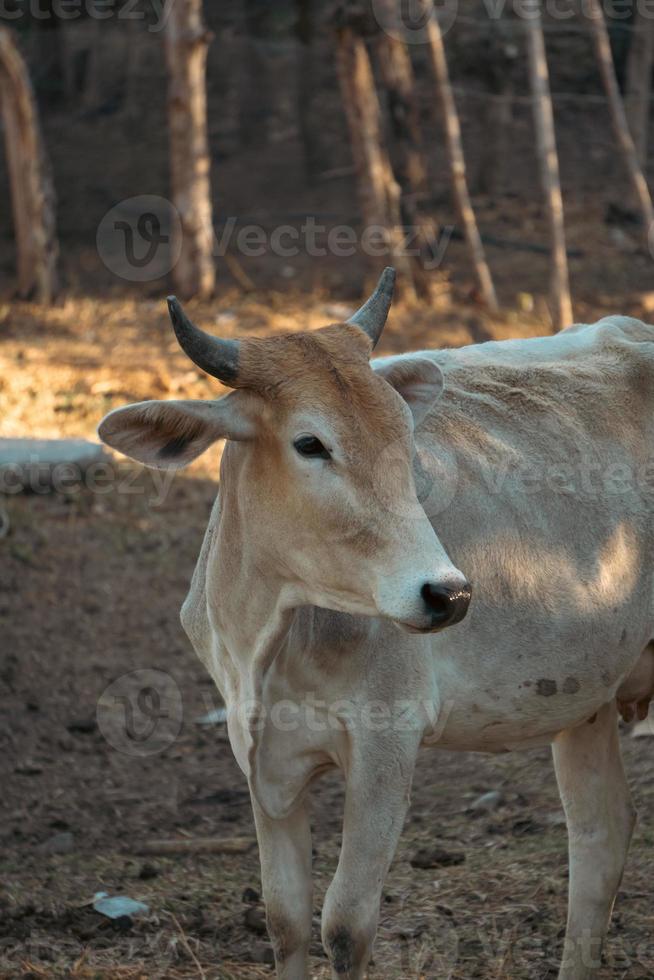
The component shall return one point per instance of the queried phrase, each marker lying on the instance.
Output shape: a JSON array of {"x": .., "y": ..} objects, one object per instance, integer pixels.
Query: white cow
[{"x": 534, "y": 477}]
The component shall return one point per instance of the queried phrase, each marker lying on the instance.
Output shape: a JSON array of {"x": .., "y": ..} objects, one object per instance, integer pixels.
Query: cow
[{"x": 449, "y": 548}]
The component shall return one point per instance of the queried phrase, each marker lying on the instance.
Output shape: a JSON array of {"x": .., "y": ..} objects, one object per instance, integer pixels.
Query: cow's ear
[
  {"x": 169, "y": 435},
  {"x": 416, "y": 377}
]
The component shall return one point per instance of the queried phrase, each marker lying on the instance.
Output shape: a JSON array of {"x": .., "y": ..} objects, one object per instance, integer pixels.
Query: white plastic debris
[
  {"x": 643, "y": 729},
  {"x": 487, "y": 802},
  {"x": 117, "y": 906},
  {"x": 217, "y": 716}
]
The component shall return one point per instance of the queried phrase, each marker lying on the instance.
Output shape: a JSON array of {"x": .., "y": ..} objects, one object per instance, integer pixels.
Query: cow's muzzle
[{"x": 444, "y": 606}]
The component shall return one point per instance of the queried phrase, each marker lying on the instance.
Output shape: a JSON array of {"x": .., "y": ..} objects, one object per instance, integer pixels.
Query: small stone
[
  {"x": 436, "y": 857},
  {"x": 525, "y": 826},
  {"x": 254, "y": 920},
  {"x": 262, "y": 953},
  {"x": 122, "y": 923},
  {"x": 148, "y": 871},
  {"x": 82, "y": 726},
  {"x": 62, "y": 843},
  {"x": 487, "y": 802},
  {"x": 251, "y": 896},
  {"x": 28, "y": 768}
]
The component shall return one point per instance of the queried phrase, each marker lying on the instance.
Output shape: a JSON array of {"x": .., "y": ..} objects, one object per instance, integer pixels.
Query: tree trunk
[
  {"x": 496, "y": 67},
  {"x": 186, "y": 53},
  {"x": 257, "y": 85},
  {"x": 379, "y": 192},
  {"x": 49, "y": 27},
  {"x": 30, "y": 178},
  {"x": 410, "y": 166},
  {"x": 618, "y": 116},
  {"x": 309, "y": 118},
  {"x": 398, "y": 80},
  {"x": 548, "y": 162},
  {"x": 639, "y": 80},
  {"x": 438, "y": 62},
  {"x": 92, "y": 93},
  {"x": 131, "y": 105}
]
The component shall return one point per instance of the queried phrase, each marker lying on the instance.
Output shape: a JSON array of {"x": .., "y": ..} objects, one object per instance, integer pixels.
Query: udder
[{"x": 636, "y": 691}]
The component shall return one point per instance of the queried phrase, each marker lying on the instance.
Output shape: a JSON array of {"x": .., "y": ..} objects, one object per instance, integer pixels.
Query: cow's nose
[{"x": 447, "y": 606}]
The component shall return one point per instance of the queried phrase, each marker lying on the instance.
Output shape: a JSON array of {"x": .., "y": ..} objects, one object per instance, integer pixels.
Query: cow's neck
[{"x": 251, "y": 605}]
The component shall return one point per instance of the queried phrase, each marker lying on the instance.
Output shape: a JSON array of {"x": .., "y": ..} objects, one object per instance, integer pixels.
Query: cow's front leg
[
  {"x": 378, "y": 787},
  {"x": 285, "y": 854},
  {"x": 600, "y": 818}
]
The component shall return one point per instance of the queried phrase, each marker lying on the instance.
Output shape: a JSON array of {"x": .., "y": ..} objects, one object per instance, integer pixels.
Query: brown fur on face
[
  {"x": 329, "y": 370},
  {"x": 266, "y": 364}
]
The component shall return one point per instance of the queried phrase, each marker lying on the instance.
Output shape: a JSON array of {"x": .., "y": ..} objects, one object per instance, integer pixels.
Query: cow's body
[
  {"x": 535, "y": 475},
  {"x": 563, "y": 582}
]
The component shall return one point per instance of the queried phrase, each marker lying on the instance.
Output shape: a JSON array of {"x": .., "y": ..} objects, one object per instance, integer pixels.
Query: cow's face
[{"x": 317, "y": 480}]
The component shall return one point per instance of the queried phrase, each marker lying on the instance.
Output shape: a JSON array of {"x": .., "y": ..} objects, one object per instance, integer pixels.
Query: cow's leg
[
  {"x": 376, "y": 802},
  {"x": 285, "y": 854},
  {"x": 600, "y": 818}
]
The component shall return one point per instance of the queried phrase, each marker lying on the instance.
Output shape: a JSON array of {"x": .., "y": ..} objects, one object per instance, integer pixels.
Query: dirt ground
[
  {"x": 91, "y": 581},
  {"x": 92, "y": 578}
]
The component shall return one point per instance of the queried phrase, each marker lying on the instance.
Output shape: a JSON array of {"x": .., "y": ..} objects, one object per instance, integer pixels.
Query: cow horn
[
  {"x": 372, "y": 315},
  {"x": 215, "y": 356}
]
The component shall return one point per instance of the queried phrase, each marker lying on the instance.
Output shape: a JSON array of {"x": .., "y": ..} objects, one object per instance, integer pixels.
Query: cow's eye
[{"x": 311, "y": 448}]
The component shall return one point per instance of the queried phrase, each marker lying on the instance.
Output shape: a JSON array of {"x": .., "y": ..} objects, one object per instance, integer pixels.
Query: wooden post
[
  {"x": 30, "y": 179},
  {"x": 618, "y": 118},
  {"x": 379, "y": 192},
  {"x": 639, "y": 80},
  {"x": 438, "y": 62},
  {"x": 190, "y": 166},
  {"x": 548, "y": 162}
]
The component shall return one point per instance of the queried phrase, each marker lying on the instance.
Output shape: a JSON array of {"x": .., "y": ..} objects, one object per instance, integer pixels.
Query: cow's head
[{"x": 305, "y": 475}]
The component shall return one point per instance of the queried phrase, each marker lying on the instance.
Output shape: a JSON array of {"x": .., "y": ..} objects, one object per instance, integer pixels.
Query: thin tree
[
  {"x": 438, "y": 63},
  {"x": 548, "y": 162},
  {"x": 30, "y": 178},
  {"x": 306, "y": 82},
  {"x": 257, "y": 86},
  {"x": 399, "y": 83},
  {"x": 604, "y": 57},
  {"x": 187, "y": 41},
  {"x": 410, "y": 164},
  {"x": 379, "y": 192},
  {"x": 639, "y": 80},
  {"x": 496, "y": 69}
]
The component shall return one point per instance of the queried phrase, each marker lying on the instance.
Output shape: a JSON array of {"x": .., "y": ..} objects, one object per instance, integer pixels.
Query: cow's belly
[{"x": 524, "y": 702}]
